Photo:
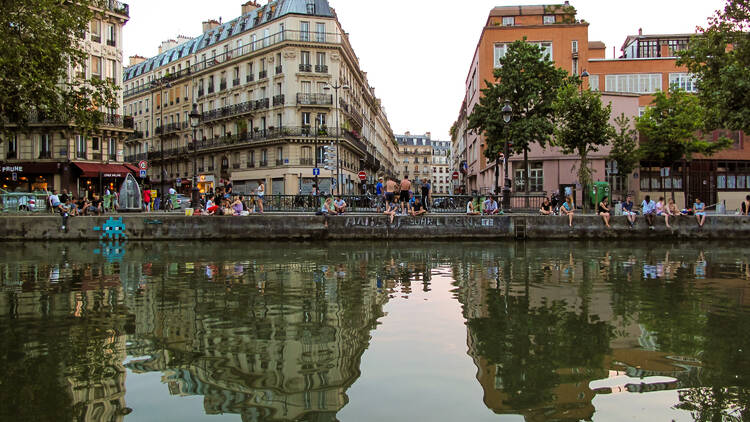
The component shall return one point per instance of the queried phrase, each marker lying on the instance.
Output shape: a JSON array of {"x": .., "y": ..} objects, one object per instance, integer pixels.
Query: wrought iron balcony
[
  {"x": 236, "y": 82},
  {"x": 249, "y": 78},
  {"x": 230, "y": 111},
  {"x": 278, "y": 100},
  {"x": 305, "y": 67},
  {"x": 264, "y": 163},
  {"x": 260, "y": 104},
  {"x": 251, "y": 164},
  {"x": 279, "y": 69},
  {"x": 280, "y": 162},
  {"x": 222, "y": 85},
  {"x": 305, "y": 161},
  {"x": 210, "y": 89},
  {"x": 321, "y": 68},
  {"x": 314, "y": 99},
  {"x": 262, "y": 74}
]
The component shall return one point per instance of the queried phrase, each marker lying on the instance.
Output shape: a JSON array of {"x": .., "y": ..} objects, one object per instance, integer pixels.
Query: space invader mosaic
[{"x": 113, "y": 229}]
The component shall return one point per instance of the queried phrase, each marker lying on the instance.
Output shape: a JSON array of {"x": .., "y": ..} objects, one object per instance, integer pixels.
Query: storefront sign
[
  {"x": 12, "y": 169},
  {"x": 113, "y": 175},
  {"x": 14, "y": 177},
  {"x": 206, "y": 178}
]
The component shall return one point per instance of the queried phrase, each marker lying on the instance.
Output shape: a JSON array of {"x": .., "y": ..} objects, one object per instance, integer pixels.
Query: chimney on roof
[
  {"x": 166, "y": 45},
  {"x": 428, "y": 135},
  {"x": 567, "y": 3},
  {"x": 134, "y": 60},
  {"x": 249, "y": 7},
  {"x": 210, "y": 24},
  {"x": 640, "y": 31},
  {"x": 407, "y": 133}
]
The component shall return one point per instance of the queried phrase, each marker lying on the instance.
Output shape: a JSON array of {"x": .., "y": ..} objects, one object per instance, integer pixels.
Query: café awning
[{"x": 106, "y": 171}]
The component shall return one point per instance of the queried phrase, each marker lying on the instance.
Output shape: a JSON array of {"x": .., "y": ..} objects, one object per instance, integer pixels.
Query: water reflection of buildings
[
  {"x": 67, "y": 326},
  {"x": 531, "y": 364},
  {"x": 268, "y": 342}
]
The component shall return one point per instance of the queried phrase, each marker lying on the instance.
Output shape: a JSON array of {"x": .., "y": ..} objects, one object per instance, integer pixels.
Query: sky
[{"x": 417, "y": 52}]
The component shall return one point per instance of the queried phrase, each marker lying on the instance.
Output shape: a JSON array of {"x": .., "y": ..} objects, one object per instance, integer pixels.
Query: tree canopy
[
  {"x": 719, "y": 57},
  {"x": 672, "y": 127},
  {"x": 42, "y": 45},
  {"x": 528, "y": 80},
  {"x": 582, "y": 125}
]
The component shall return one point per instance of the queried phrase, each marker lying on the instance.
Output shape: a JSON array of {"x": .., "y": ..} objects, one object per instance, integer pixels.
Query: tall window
[
  {"x": 45, "y": 146},
  {"x": 96, "y": 66},
  {"x": 111, "y": 41},
  {"x": 648, "y": 48},
  {"x": 96, "y": 30},
  {"x": 320, "y": 32},
  {"x": 304, "y": 31},
  {"x": 304, "y": 57},
  {"x": 80, "y": 147},
  {"x": 253, "y": 39},
  {"x": 305, "y": 118},
  {"x": 266, "y": 37},
  {"x": 112, "y": 147},
  {"x": 306, "y": 87},
  {"x": 321, "y": 59},
  {"x": 536, "y": 179},
  {"x": 594, "y": 82}
]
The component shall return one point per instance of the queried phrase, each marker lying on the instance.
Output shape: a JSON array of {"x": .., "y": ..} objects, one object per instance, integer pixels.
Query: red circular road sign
[
  {"x": 455, "y": 175},
  {"x": 143, "y": 165},
  {"x": 362, "y": 176}
]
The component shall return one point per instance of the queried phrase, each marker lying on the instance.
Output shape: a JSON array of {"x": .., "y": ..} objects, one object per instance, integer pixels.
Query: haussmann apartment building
[
  {"x": 265, "y": 86},
  {"x": 53, "y": 154}
]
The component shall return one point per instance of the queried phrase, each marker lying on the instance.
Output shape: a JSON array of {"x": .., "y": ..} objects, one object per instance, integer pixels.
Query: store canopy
[
  {"x": 104, "y": 170},
  {"x": 131, "y": 167}
]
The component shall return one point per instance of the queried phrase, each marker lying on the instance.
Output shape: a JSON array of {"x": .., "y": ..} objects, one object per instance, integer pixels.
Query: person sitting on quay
[
  {"x": 603, "y": 211},
  {"x": 568, "y": 208},
  {"x": 649, "y": 211},
  {"x": 546, "y": 208},
  {"x": 211, "y": 207},
  {"x": 339, "y": 205},
  {"x": 328, "y": 207},
  {"x": 699, "y": 209},
  {"x": 490, "y": 206},
  {"x": 390, "y": 209},
  {"x": 470, "y": 210},
  {"x": 627, "y": 210},
  {"x": 745, "y": 207},
  {"x": 417, "y": 208},
  {"x": 95, "y": 207},
  {"x": 671, "y": 211}
]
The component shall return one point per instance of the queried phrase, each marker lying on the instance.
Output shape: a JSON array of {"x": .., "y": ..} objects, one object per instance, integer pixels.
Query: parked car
[{"x": 183, "y": 202}]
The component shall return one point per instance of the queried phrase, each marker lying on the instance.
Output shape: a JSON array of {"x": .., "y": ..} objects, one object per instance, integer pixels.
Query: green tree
[
  {"x": 625, "y": 150},
  {"x": 42, "y": 44},
  {"x": 723, "y": 74},
  {"x": 672, "y": 128},
  {"x": 582, "y": 126},
  {"x": 529, "y": 81}
]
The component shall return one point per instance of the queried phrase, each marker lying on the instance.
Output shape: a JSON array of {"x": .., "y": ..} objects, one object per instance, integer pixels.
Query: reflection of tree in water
[
  {"x": 528, "y": 344},
  {"x": 724, "y": 391}
]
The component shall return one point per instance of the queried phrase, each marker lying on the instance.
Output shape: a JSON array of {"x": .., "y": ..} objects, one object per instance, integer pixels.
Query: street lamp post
[
  {"x": 335, "y": 88},
  {"x": 584, "y": 75},
  {"x": 315, "y": 151},
  {"x": 507, "y": 111},
  {"x": 195, "y": 119}
]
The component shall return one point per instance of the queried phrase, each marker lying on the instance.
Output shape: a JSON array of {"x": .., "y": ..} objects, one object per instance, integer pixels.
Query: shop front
[
  {"x": 206, "y": 183},
  {"x": 28, "y": 177},
  {"x": 98, "y": 178}
]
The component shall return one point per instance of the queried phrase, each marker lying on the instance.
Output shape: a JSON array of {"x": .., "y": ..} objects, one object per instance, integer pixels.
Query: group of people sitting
[
  {"x": 649, "y": 209},
  {"x": 227, "y": 205},
  {"x": 487, "y": 207}
]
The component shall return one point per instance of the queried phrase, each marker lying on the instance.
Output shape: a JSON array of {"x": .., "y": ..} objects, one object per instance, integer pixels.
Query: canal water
[{"x": 180, "y": 331}]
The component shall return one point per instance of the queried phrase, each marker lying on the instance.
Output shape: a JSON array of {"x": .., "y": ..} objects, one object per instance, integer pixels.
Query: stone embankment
[{"x": 167, "y": 227}]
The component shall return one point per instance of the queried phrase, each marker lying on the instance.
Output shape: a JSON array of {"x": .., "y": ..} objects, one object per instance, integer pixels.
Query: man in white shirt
[
  {"x": 490, "y": 206},
  {"x": 649, "y": 211}
]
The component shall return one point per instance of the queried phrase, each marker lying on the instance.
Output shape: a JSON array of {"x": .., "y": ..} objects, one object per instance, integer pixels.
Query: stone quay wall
[{"x": 166, "y": 227}]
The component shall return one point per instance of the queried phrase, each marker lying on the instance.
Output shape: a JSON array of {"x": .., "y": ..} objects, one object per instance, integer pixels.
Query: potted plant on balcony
[
  {"x": 305, "y": 129},
  {"x": 323, "y": 130},
  {"x": 242, "y": 127}
]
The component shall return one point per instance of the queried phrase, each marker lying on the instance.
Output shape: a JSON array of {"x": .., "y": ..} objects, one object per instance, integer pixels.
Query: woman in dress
[
  {"x": 568, "y": 209},
  {"x": 699, "y": 209},
  {"x": 261, "y": 191},
  {"x": 603, "y": 211}
]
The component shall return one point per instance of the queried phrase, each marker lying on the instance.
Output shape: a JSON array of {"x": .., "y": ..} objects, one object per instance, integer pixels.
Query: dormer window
[
  {"x": 549, "y": 19},
  {"x": 509, "y": 20}
]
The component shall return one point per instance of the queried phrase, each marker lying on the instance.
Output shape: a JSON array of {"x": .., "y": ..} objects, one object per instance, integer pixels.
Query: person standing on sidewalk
[
  {"x": 147, "y": 199},
  {"x": 379, "y": 193},
  {"x": 390, "y": 192}
]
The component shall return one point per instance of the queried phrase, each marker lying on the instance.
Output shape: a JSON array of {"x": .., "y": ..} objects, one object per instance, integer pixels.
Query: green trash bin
[{"x": 599, "y": 191}]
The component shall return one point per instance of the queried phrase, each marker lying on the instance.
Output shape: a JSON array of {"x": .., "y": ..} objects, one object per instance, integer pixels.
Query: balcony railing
[
  {"x": 249, "y": 137},
  {"x": 111, "y": 43},
  {"x": 305, "y": 67},
  {"x": 249, "y": 78},
  {"x": 235, "y": 165},
  {"x": 314, "y": 99},
  {"x": 321, "y": 68},
  {"x": 157, "y": 83},
  {"x": 305, "y": 161},
  {"x": 251, "y": 164},
  {"x": 229, "y": 111},
  {"x": 222, "y": 85},
  {"x": 200, "y": 92},
  {"x": 118, "y": 7},
  {"x": 279, "y": 69},
  {"x": 278, "y": 100},
  {"x": 280, "y": 162},
  {"x": 262, "y": 74},
  {"x": 96, "y": 38},
  {"x": 45, "y": 154},
  {"x": 261, "y": 104},
  {"x": 235, "y": 82},
  {"x": 210, "y": 89},
  {"x": 264, "y": 163}
]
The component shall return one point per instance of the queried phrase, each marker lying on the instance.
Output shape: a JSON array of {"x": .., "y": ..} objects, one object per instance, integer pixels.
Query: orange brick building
[{"x": 647, "y": 64}]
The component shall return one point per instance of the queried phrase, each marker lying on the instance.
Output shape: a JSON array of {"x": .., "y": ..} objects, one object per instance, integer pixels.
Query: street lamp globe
[
  {"x": 507, "y": 111},
  {"x": 194, "y": 116}
]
